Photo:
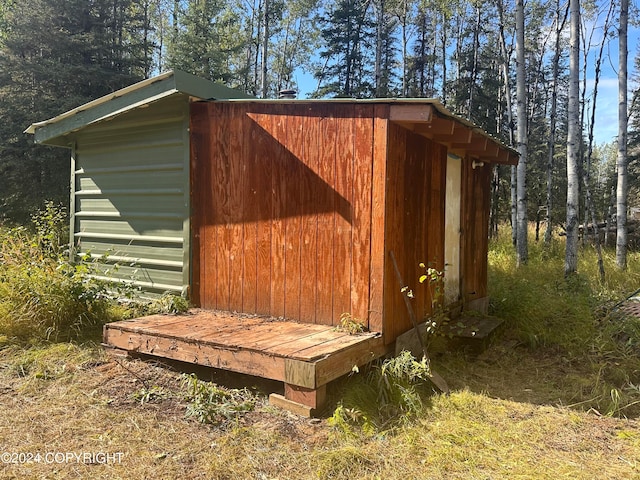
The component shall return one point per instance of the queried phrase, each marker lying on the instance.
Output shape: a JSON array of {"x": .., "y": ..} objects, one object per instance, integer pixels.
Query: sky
[{"x": 606, "y": 124}]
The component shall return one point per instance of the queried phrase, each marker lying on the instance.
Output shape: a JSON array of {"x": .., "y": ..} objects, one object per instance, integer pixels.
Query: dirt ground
[{"x": 74, "y": 412}]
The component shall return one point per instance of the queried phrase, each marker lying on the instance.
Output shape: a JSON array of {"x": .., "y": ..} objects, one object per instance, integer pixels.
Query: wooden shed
[{"x": 282, "y": 214}]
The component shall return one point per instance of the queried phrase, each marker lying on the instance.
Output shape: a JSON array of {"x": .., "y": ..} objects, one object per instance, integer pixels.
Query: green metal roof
[{"x": 54, "y": 130}]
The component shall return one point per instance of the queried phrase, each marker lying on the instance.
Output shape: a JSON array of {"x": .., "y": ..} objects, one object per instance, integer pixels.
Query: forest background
[{"x": 58, "y": 54}]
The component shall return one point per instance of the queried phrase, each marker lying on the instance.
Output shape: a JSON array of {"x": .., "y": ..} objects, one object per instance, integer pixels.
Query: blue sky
[{"x": 606, "y": 125}]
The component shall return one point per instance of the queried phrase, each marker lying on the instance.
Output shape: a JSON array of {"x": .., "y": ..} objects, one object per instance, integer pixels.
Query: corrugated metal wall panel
[
  {"x": 131, "y": 210},
  {"x": 142, "y": 203}
]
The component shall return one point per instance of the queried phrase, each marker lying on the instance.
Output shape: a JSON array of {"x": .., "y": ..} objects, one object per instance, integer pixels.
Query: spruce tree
[
  {"x": 345, "y": 69},
  {"x": 54, "y": 55}
]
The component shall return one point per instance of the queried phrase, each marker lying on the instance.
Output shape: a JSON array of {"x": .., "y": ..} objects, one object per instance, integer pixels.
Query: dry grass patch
[{"x": 93, "y": 403}]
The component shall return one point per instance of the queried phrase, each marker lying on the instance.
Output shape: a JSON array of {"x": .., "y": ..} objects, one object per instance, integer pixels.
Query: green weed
[
  {"x": 209, "y": 403},
  {"x": 151, "y": 394},
  {"x": 43, "y": 297},
  {"x": 350, "y": 324},
  {"x": 576, "y": 317},
  {"x": 389, "y": 393}
]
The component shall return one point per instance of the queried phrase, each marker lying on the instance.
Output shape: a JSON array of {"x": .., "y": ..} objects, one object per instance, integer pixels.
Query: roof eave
[{"x": 54, "y": 130}]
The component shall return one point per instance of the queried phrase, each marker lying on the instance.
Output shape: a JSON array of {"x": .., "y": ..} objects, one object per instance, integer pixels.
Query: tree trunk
[
  {"x": 589, "y": 207},
  {"x": 621, "y": 193},
  {"x": 507, "y": 95},
  {"x": 573, "y": 141},
  {"x": 474, "y": 65},
  {"x": 522, "y": 252},
  {"x": 379, "y": 7},
  {"x": 443, "y": 29},
  {"x": 265, "y": 50},
  {"x": 552, "y": 124}
]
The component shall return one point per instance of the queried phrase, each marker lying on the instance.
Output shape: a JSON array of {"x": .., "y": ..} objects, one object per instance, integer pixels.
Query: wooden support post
[
  {"x": 313, "y": 397},
  {"x": 300, "y": 400}
]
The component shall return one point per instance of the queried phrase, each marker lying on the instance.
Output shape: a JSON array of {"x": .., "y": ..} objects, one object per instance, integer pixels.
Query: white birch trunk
[
  {"x": 573, "y": 141},
  {"x": 265, "y": 50},
  {"x": 522, "y": 251},
  {"x": 621, "y": 193}
]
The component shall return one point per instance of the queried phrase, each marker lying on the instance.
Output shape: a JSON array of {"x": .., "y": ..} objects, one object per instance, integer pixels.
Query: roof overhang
[
  {"x": 55, "y": 130},
  {"x": 429, "y": 118},
  {"x": 462, "y": 137}
]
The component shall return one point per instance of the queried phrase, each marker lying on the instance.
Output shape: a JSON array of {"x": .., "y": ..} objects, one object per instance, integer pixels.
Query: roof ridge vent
[{"x": 287, "y": 94}]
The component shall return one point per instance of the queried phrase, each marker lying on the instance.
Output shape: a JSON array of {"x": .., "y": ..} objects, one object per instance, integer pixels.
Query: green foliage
[
  {"x": 151, "y": 394},
  {"x": 390, "y": 393},
  {"x": 167, "y": 304},
  {"x": 51, "y": 225},
  {"x": 576, "y": 317},
  {"x": 345, "y": 69},
  {"x": 43, "y": 297},
  {"x": 439, "y": 318},
  {"x": 208, "y": 35},
  {"x": 349, "y": 324},
  {"x": 209, "y": 403},
  {"x": 56, "y": 55}
]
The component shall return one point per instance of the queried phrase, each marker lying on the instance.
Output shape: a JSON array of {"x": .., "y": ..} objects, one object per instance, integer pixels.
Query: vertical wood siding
[
  {"x": 282, "y": 208},
  {"x": 296, "y": 207},
  {"x": 416, "y": 180}
]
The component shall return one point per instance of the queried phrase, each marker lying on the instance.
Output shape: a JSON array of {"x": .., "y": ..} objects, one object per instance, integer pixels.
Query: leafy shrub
[
  {"x": 391, "y": 392},
  {"x": 43, "y": 296},
  {"x": 209, "y": 403}
]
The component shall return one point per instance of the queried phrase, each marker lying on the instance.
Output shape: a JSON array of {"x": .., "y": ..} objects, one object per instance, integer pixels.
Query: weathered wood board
[{"x": 305, "y": 355}]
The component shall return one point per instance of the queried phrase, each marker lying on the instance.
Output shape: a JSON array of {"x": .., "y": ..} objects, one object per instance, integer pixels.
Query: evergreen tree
[
  {"x": 54, "y": 55},
  {"x": 206, "y": 35},
  {"x": 346, "y": 69}
]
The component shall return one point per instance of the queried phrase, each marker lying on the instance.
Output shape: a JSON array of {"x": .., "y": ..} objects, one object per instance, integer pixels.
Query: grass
[
  {"x": 555, "y": 396},
  {"x": 89, "y": 406},
  {"x": 572, "y": 323},
  {"x": 44, "y": 297}
]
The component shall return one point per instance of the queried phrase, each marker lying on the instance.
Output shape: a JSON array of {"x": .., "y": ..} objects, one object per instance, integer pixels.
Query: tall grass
[
  {"x": 44, "y": 297},
  {"x": 543, "y": 307},
  {"x": 576, "y": 317},
  {"x": 568, "y": 327}
]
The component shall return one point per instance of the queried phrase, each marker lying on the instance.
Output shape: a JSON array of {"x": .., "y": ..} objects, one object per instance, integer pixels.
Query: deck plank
[
  {"x": 341, "y": 363},
  {"x": 277, "y": 337},
  {"x": 291, "y": 348},
  {"x": 241, "y": 361},
  {"x": 254, "y": 345},
  {"x": 321, "y": 350}
]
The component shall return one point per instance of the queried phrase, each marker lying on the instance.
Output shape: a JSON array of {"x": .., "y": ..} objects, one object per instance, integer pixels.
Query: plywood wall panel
[
  {"x": 326, "y": 224},
  {"x": 236, "y": 192},
  {"x": 279, "y": 177},
  {"x": 309, "y": 223},
  {"x": 293, "y": 217},
  {"x": 361, "y": 207},
  {"x": 395, "y": 314},
  {"x": 379, "y": 254},
  {"x": 343, "y": 214},
  {"x": 220, "y": 231},
  {"x": 278, "y": 194},
  {"x": 415, "y": 223}
]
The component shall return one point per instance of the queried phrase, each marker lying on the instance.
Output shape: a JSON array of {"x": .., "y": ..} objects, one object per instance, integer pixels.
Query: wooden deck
[{"x": 304, "y": 356}]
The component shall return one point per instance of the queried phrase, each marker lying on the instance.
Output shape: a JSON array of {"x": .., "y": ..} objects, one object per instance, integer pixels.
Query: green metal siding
[{"x": 130, "y": 196}]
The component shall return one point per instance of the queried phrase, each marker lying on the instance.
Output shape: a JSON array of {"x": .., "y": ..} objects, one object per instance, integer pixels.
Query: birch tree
[
  {"x": 551, "y": 144},
  {"x": 522, "y": 252},
  {"x": 621, "y": 193},
  {"x": 573, "y": 141}
]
